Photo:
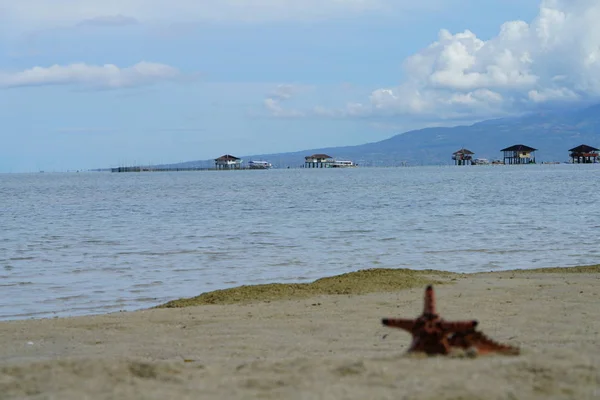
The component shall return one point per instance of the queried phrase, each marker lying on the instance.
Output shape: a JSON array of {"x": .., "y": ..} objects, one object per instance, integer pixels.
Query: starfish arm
[
  {"x": 429, "y": 303},
  {"x": 458, "y": 326},
  {"x": 482, "y": 343},
  {"x": 406, "y": 324}
]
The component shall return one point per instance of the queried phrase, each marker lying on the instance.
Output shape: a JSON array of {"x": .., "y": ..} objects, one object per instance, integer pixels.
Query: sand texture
[{"x": 314, "y": 346}]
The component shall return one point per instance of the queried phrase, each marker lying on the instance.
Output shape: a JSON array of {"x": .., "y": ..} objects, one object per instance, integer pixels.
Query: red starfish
[
  {"x": 431, "y": 334},
  {"x": 481, "y": 343}
]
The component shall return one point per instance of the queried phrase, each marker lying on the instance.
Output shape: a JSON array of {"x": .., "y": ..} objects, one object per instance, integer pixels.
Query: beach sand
[{"x": 293, "y": 342}]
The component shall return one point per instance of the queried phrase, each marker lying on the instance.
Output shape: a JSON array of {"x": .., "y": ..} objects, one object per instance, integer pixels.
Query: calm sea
[{"x": 86, "y": 243}]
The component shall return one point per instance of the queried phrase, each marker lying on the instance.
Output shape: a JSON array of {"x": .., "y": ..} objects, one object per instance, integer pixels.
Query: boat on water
[
  {"x": 259, "y": 164},
  {"x": 342, "y": 164},
  {"x": 481, "y": 161}
]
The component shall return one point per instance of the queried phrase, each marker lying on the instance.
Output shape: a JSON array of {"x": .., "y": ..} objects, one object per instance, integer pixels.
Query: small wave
[
  {"x": 291, "y": 263},
  {"x": 51, "y": 237},
  {"x": 102, "y": 242},
  {"x": 16, "y": 284},
  {"x": 79, "y": 271},
  {"x": 155, "y": 253},
  {"x": 74, "y": 297},
  {"x": 21, "y": 258},
  {"x": 262, "y": 243},
  {"x": 287, "y": 246},
  {"x": 119, "y": 269},
  {"x": 485, "y": 251},
  {"x": 186, "y": 269},
  {"x": 145, "y": 299},
  {"x": 145, "y": 285},
  {"x": 350, "y": 231}
]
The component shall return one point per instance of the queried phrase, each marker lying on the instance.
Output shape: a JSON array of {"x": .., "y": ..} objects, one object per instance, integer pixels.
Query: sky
[{"x": 92, "y": 84}]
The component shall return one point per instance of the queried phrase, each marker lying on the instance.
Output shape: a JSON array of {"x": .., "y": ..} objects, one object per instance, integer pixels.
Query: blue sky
[{"x": 87, "y": 84}]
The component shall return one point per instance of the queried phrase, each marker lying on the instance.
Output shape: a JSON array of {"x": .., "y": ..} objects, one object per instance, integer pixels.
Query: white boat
[
  {"x": 259, "y": 165},
  {"x": 481, "y": 161},
  {"x": 342, "y": 164}
]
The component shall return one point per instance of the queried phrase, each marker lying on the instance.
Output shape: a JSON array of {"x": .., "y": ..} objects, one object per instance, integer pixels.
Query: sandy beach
[{"x": 320, "y": 341}]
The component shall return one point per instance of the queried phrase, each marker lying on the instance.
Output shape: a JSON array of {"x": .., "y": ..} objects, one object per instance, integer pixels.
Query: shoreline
[
  {"x": 320, "y": 344},
  {"x": 371, "y": 280},
  {"x": 350, "y": 283}
]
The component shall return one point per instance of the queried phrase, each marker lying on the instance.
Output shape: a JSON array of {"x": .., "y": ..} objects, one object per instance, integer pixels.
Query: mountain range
[{"x": 552, "y": 133}]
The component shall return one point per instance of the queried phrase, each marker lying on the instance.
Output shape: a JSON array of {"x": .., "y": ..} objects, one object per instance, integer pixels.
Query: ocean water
[{"x": 87, "y": 243}]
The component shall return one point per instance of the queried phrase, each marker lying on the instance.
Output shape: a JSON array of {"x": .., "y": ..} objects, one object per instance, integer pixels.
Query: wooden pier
[
  {"x": 584, "y": 154},
  {"x": 519, "y": 154},
  {"x": 152, "y": 169},
  {"x": 463, "y": 157}
]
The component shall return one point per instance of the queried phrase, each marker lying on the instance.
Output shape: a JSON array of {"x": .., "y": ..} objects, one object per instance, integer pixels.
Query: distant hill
[{"x": 552, "y": 133}]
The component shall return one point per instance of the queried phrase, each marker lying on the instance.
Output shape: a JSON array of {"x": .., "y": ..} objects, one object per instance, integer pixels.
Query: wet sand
[{"x": 323, "y": 341}]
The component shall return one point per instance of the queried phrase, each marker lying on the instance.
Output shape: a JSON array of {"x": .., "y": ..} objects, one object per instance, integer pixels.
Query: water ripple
[{"x": 101, "y": 242}]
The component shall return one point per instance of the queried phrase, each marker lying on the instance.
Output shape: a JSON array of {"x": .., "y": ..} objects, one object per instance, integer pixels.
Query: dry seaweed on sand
[
  {"x": 352, "y": 283},
  {"x": 583, "y": 269}
]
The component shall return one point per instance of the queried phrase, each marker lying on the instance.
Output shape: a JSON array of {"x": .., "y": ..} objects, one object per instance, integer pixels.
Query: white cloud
[
  {"x": 545, "y": 95},
  {"x": 280, "y": 94},
  {"x": 105, "y": 76},
  {"x": 275, "y": 109},
  {"x": 553, "y": 59},
  {"x": 283, "y": 92}
]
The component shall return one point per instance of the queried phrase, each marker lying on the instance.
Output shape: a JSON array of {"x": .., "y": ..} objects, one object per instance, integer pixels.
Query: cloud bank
[
  {"x": 554, "y": 59},
  {"x": 42, "y": 13},
  {"x": 551, "y": 61},
  {"x": 107, "y": 76}
]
